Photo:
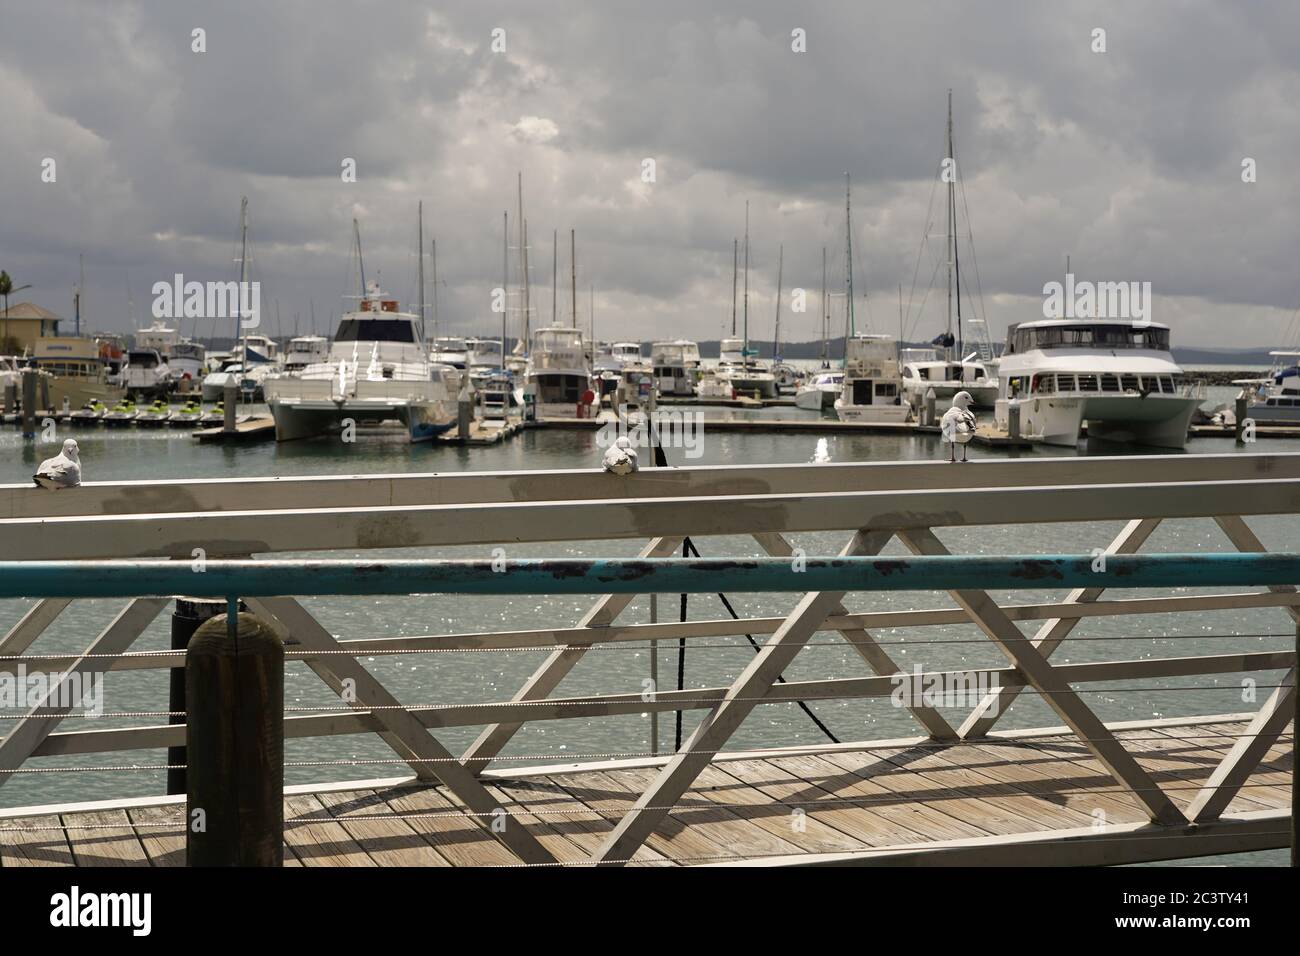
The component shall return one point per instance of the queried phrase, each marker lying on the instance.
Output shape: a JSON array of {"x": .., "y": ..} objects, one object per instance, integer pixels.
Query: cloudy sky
[{"x": 1129, "y": 160}]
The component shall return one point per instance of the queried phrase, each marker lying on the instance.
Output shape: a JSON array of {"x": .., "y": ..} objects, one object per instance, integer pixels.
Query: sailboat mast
[
  {"x": 81, "y": 285},
  {"x": 776, "y": 337},
  {"x": 735, "y": 263},
  {"x": 505, "y": 281},
  {"x": 952, "y": 231},
  {"x": 528, "y": 301},
  {"x": 573, "y": 274},
  {"x": 434, "y": 250},
  {"x": 826, "y": 312},
  {"x": 592, "y": 306},
  {"x": 419, "y": 245},
  {"x": 243, "y": 277},
  {"x": 744, "y": 349},
  {"x": 523, "y": 269},
  {"x": 555, "y": 265},
  {"x": 849, "y": 323}
]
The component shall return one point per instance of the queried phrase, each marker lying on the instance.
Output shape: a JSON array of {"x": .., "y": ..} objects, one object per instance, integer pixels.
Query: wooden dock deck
[{"x": 1012, "y": 798}]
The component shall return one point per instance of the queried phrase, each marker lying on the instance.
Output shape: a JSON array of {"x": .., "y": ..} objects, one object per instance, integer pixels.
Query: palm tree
[{"x": 7, "y": 288}]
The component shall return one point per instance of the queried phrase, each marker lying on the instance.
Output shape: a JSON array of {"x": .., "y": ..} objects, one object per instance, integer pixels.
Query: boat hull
[
  {"x": 816, "y": 399},
  {"x": 1160, "y": 421},
  {"x": 871, "y": 414},
  {"x": 296, "y": 419}
]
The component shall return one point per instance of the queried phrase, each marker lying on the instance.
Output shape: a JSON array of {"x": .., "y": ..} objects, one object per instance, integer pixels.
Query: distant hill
[{"x": 1185, "y": 355}]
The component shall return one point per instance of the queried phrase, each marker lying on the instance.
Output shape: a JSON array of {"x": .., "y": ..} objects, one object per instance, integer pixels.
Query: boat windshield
[
  {"x": 375, "y": 330},
  {"x": 1098, "y": 336}
]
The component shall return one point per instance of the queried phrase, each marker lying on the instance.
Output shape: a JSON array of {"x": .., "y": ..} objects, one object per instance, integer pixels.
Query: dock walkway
[{"x": 1013, "y": 798}]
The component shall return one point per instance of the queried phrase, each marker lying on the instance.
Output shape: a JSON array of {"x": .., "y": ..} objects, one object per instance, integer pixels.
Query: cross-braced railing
[{"x": 204, "y": 522}]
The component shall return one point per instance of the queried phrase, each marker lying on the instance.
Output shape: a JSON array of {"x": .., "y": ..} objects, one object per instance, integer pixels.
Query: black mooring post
[
  {"x": 186, "y": 618},
  {"x": 234, "y": 687}
]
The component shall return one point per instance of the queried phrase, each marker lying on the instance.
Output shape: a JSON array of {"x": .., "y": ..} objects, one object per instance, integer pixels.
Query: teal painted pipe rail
[{"x": 105, "y": 579}]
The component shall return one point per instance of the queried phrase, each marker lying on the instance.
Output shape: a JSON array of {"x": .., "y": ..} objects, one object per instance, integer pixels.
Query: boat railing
[{"x": 144, "y": 541}]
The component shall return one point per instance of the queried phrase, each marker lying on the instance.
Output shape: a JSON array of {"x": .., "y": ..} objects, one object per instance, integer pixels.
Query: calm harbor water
[{"x": 442, "y": 678}]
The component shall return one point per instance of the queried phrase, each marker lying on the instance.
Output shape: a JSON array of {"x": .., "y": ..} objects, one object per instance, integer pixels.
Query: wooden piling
[
  {"x": 29, "y": 402},
  {"x": 188, "y": 614},
  {"x": 1240, "y": 427},
  {"x": 235, "y": 740},
  {"x": 230, "y": 406}
]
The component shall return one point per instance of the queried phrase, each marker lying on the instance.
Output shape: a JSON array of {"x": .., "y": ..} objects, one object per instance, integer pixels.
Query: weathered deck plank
[
  {"x": 855, "y": 799},
  {"x": 34, "y": 847}
]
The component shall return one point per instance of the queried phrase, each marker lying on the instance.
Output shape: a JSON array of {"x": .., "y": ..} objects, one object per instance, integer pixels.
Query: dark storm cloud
[{"x": 1129, "y": 161}]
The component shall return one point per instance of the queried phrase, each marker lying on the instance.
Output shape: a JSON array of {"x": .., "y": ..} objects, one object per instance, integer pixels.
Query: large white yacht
[
  {"x": 557, "y": 375},
  {"x": 676, "y": 366},
  {"x": 1116, "y": 375},
  {"x": 378, "y": 370},
  {"x": 872, "y": 390}
]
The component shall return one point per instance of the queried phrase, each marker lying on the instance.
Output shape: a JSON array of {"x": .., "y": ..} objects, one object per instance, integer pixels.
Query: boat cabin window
[
  {"x": 375, "y": 330},
  {"x": 144, "y": 359},
  {"x": 1107, "y": 336}
]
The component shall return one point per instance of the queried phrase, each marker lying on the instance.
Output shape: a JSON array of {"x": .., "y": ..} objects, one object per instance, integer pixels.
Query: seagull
[
  {"x": 822, "y": 454},
  {"x": 620, "y": 457},
  {"x": 958, "y": 425},
  {"x": 61, "y": 471}
]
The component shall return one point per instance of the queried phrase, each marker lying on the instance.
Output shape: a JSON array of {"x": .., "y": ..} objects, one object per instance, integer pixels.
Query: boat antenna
[
  {"x": 433, "y": 247},
  {"x": 361, "y": 263},
  {"x": 555, "y": 266},
  {"x": 573, "y": 273},
  {"x": 591, "y": 302}
]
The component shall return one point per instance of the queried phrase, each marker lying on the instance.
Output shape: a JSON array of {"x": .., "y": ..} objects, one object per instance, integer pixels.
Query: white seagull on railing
[
  {"x": 620, "y": 457},
  {"x": 61, "y": 471},
  {"x": 958, "y": 425},
  {"x": 823, "y": 452}
]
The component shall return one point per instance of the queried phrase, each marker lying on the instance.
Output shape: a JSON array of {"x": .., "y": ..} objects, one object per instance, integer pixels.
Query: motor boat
[
  {"x": 676, "y": 366},
  {"x": 1118, "y": 376},
  {"x": 820, "y": 392},
  {"x": 872, "y": 388},
  {"x": 378, "y": 370}
]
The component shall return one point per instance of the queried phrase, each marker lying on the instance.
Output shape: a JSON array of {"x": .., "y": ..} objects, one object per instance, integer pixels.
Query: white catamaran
[
  {"x": 378, "y": 370},
  {"x": 1117, "y": 375}
]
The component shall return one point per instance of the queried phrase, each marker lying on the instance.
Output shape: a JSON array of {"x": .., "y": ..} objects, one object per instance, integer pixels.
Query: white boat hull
[
  {"x": 310, "y": 418},
  {"x": 816, "y": 399},
  {"x": 874, "y": 414}
]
